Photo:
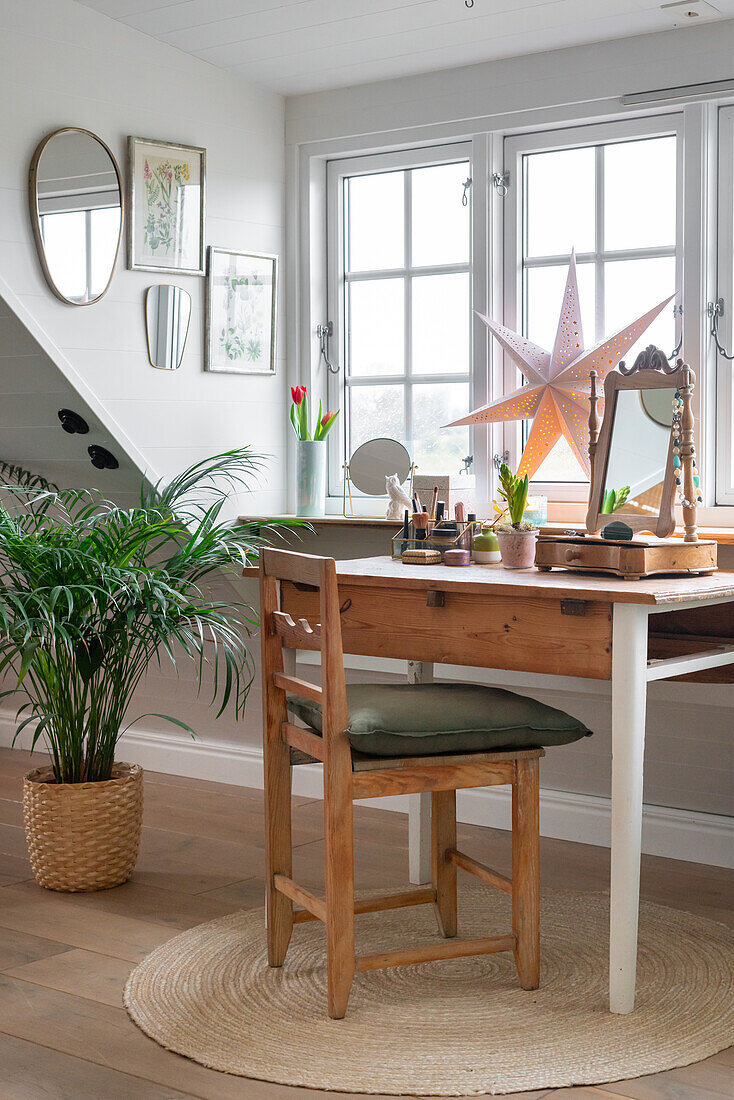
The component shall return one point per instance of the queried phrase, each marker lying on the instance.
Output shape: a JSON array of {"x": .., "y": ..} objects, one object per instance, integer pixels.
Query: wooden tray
[{"x": 642, "y": 557}]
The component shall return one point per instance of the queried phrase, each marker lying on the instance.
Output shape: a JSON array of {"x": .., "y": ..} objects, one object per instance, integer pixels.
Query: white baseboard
[{"x": 677, "y": 834}]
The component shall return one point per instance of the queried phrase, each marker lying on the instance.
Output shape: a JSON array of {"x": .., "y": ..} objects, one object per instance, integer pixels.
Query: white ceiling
[{"x": 295, "y": 46}]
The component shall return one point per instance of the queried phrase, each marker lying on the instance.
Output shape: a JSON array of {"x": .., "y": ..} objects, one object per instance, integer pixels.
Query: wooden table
[{"x": 554, "y": 623}]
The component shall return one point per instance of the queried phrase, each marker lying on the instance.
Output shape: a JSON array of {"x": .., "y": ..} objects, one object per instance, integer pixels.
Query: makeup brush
[
  {"x": 420, "y": 523},
  {"x": 434, "y": 502}
]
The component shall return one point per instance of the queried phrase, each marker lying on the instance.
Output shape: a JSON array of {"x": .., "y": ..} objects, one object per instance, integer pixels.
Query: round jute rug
[{"x": 451, "y": 1028}]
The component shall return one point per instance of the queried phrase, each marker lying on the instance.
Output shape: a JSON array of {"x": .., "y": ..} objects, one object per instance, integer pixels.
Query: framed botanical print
[
  {"x": 240, "y": 312},
  {"x": 165, "y": 223}
]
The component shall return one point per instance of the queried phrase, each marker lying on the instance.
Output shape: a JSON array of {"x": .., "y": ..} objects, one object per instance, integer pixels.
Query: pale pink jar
[{"x": 517, "y": 548}]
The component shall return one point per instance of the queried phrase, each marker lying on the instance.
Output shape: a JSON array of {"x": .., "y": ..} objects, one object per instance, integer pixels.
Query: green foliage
[
  {"x": 514, "y": 491},
  {"x": 91, "y": 594},
  {"x": 614, "y": 499}
]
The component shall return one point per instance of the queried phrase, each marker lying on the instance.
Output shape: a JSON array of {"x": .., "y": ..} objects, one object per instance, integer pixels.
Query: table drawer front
[
  {"x": 577, "y": 556},
  {"x": 572, "y": 638}
]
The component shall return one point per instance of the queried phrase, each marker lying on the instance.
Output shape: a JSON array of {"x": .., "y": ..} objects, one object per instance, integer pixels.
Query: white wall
[
  {"x": 522, "y": 92},
  {"x": 63, "y": 64}
]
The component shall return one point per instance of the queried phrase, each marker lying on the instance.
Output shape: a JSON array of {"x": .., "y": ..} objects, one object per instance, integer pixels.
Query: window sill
[{"x": 326, "y": 521}]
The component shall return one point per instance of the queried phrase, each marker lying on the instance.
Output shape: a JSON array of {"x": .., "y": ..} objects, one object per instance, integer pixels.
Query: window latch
[
  {"x": 324, "y": 333},
  {"x": 714, "y": 311},
  {"x": 501, "y": 183}
]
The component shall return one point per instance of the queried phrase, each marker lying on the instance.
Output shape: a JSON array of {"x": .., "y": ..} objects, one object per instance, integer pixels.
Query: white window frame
[
  {"x": 495, "y": 280},
  {"x": 336, "y": 172},
  {"x": 725, "y": 289},
  {"x": 515, "y": 148}
]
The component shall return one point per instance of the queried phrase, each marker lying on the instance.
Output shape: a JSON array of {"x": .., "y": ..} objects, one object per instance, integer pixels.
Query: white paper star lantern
[{"x": 556, "y": 397}]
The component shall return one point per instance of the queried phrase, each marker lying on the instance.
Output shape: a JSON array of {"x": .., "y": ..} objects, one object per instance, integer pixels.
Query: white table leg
[
  {"x": 419, "y": 808},
  {"x": 629, "y": 697}
]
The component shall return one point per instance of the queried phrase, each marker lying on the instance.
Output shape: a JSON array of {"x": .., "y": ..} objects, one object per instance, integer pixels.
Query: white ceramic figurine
[{"x": 399, "y": 501}]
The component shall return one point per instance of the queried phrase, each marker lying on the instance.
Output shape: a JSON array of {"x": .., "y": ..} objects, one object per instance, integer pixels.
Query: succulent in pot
[
  {"x": 515, "y": 535},
  {"x": 90, "y": 595}
]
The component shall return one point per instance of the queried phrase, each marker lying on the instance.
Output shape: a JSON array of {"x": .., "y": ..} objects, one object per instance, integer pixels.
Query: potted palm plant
[
  {"x": 516, "y": 536},
  {"x": 90, "y": 595}
]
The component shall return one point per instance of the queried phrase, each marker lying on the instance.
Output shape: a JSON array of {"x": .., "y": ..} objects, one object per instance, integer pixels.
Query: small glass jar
[{"x": 485, "y": 549}]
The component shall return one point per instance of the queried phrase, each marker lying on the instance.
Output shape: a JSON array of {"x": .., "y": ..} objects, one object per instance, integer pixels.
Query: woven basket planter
[{"x": 83, "y": 836}]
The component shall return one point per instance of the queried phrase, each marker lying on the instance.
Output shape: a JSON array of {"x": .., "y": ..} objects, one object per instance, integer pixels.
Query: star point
[{"x": 558, "y": 381}]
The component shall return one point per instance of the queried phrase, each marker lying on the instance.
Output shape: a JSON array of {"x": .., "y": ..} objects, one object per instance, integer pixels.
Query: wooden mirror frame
[
  {"x": 36, "y": 222},
  {"x": 651, "y": 370}
]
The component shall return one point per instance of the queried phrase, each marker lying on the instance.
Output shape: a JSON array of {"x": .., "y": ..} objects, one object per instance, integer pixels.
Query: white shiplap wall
[{"x": 63, "y": 64}]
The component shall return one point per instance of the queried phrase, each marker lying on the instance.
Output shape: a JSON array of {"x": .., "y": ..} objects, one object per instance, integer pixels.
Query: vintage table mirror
[
  {"x": 75, "y": 193},
  {"x": 642, "y": 461},
  {"x": 370, "y": 464},
  {"x": 167, "y": 316}
]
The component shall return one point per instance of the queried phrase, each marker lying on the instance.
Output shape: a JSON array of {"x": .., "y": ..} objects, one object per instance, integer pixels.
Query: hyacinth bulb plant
[
  {"x": 299, "y": 417},
  {"x": 516, "y": 536}
]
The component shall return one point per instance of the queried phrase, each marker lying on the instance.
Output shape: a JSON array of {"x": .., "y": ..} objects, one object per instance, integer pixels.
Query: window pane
[
  {"x": 376, "y": 327},
  {"x": 105, "y": 233},
  {"x": 561, "y": 464},
  {"x": 376, "y": 411},
  {"x": 632, "y": 287},
  {"x": 438, "y": 450},
  {"x": 544, "y": 290},
  {"x": 375, "y": 222},
  {"x": 441, "y": 324},
  {"x": 639, "y": 194},
  {"x": 440, "y": 230},
  {"x": 560, "y": 202},
  {"x": 61, "y": 236}
]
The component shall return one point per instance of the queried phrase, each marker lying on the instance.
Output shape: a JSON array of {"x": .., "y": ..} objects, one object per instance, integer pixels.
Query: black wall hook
[
  {"x": 72, "y": 422},
  {"x": 102, "y": 459}
]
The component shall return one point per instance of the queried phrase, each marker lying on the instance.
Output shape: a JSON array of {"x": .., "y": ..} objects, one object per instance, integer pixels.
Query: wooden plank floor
[{"x": 64, "y": 958}]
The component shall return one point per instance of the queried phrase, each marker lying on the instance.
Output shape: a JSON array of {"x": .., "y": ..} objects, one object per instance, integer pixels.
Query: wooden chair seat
[{"x": 348, "y": 775}]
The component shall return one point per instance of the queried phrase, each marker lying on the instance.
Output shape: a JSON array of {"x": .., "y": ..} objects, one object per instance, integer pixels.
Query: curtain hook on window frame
[
  {"x": 324, "y": 333},
  {"x": 465, "y": 196},
  {"x": 715, "y": 310},
  {"x": 501, "y": 183},
  {"x": 677, "y": 312}
]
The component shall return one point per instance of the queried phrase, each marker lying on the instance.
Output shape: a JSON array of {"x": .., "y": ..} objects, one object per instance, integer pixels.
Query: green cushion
[{"x": 430, "y": 719}]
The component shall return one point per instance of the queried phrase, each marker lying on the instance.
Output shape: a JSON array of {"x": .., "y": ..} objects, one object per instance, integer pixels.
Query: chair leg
[
  {"x": 443, "y": 873},
  {"x": 339, "y": 831},
  {"x": 279, "y": 855},
  {"x": 526, "y": 872}
]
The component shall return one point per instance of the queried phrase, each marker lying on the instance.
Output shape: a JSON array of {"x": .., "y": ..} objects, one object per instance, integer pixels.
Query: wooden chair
[{"x": 346, "y": 777}]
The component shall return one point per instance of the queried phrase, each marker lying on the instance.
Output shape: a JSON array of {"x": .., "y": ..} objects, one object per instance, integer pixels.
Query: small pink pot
[{"x": 517, "y": 548}]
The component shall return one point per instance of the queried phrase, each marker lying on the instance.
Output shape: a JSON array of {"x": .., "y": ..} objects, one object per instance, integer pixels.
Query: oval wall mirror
[
  {"x": 167, "y": 316},
  {"x": 375, "y": 460},
  {"x": 76, "y": 211},
  {"x": 658, "y": 406}
]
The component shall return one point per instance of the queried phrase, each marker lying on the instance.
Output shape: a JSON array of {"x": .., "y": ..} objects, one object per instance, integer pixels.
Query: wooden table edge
[{"x": 488, "y": 580}]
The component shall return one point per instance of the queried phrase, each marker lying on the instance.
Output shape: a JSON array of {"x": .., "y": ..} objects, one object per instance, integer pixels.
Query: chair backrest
[{"x": 278, "y": 629}]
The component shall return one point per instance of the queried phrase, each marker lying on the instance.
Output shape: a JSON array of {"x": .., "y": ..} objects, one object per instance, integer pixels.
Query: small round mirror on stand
[
  {"x": 371, "y": 463},
  {"x": 76, "y": 211},
  {"x": 167, "y": 316}
]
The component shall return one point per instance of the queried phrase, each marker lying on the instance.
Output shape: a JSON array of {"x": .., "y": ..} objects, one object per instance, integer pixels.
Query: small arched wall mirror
[
  {"x": 167, "y": 316},
  {"x": 76, "y": 211}
]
